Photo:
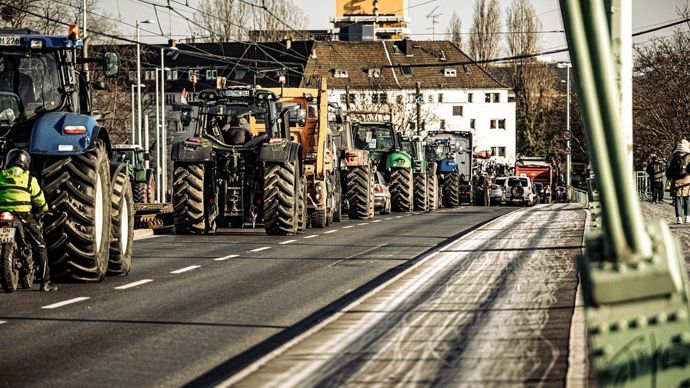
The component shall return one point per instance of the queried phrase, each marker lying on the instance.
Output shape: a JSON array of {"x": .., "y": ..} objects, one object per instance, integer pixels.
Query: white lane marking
[
  {"x": 398, "y": 217},
  {"x": 363, "y": 223},
  {"x": 226, "y": 257},
  {"x": 389, "y": 218},
  {"x": 348, "y": 227},
  {"x": 134, "y": 284},
  {"x": 375, "y": 221},
  {"x": 286, "y": 242},
  {"x": 312, "y": 236},
  {"x": 185, "y": 269},
  {"x": 65, "y": 302},
  {"x": 330, "y": 231},
  {"x": 260, "y": 249},
  {"x": 1, "y": 322}
]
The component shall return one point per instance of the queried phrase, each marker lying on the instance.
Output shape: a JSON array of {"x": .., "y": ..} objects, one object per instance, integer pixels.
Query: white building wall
[{"x": 485, "y": 137}]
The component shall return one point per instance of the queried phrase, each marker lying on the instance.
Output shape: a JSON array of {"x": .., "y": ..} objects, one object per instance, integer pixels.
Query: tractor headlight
[{"x": 36, "y": 44}]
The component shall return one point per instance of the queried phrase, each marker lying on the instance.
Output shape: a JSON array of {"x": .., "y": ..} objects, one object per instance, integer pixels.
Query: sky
[{"x": 646, "y": 14}]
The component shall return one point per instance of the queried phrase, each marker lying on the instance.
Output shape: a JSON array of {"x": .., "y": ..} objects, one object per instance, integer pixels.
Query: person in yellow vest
[{"x": 21, "y": 194}]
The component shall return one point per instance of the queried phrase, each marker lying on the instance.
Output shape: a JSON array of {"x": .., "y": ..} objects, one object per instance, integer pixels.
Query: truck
[
  {"x": 141, "y": 177},
  {"x": 240, "y": 167},
  {"x": 384, "y": 144},
  {"x": 46, "y": 108},
  {"x": 354, "y": 168},
  {"x": 308, "y": 121},
  {"x": 538, "y": 170}
]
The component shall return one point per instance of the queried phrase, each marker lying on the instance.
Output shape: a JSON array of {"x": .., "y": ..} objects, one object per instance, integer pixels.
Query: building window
[
  {"x": 498, "y": 151},
  {"x": 211, "y": 74},
  {"x": 406, "y": 70},
  {"x": 193, "y": 73},
  {"x": 450, "y": 72},
  {"x": 472, "y": 122},
  {"x": 498, "y": 124},
  {"x": 343, "y": 98},
  {"x": 170, "y": 99},
  {"x": 379, "y": 98},
  {"x": 440, "y": 97},
  {"x": 492, "y": 97},
  {"x": 374, "y": 72},
  {"x": 442, "y": 125},
  {"x": 457, "y": 110},
  {"x": 399, "y": 99},
  {"x": 470, "y": 97},
  {"x": 411, "y": 98},
  {"x": 340, "y": 73},
  {"x": 431, "y": 99}
]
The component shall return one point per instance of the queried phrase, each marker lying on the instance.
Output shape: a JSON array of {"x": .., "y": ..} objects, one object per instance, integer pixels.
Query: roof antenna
[{"x": 433, "y": 16}]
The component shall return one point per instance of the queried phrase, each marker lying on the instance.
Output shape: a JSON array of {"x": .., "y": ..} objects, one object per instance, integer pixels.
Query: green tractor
[
  {"x": 384, "y": 144},
  {"x": 142, "y": 177},
  {"x": 425, "y": 180}
]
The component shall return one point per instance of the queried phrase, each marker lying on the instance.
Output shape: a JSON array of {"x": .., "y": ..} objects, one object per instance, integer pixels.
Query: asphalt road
[{"x": 195, "y": 309}]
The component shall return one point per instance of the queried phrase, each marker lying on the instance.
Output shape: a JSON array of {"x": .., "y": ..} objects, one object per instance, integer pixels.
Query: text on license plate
[
  {"x": 6, "y": 235},
  {"x": 10, "y": 40}
]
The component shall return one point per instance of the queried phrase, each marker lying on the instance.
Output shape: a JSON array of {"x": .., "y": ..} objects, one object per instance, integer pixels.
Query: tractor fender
[
  {"x": 51, "y": 135},
  {"x": 115, "y": 168},
  {"x": 186, "y": 151},
  {"x": 282, "y": 151},
  {"x": 447, "y": 165},
  {"x": 399, "y": 159}
]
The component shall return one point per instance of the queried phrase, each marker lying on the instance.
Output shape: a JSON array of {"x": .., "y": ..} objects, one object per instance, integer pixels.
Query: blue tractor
[
  {"x": 45, "y": 107},
  {"x": 452, "y": 151}
]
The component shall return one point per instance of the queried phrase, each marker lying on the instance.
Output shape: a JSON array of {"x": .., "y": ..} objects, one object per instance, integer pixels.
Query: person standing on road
[
  {"x": 655, "y": 171},
  {"x": 677, "y": 172},
  {"x": 21, "y": 194}
]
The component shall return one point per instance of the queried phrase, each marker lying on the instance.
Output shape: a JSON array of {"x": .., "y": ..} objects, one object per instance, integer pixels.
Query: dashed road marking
[
  {"x": 1, "y": 322},
  {"x": 134, "y": 284},
  {"x": 398, "y": 217},
  {"x": 260, "y": 249},
  {"x": 286, "y": 242},
  {"x": 389, "y": 218},
  {"x": 65, "y": 302},
  {"x": 375, "y": 221},
  {"x": 312, "y": 236},
  {"x": 363, "y": 223},
  {"x": 185, "y": 269},
  {"x": 330, "y": 231},
  {"x": 226, "y": 257},
  {"x": 348, "y": 227}
]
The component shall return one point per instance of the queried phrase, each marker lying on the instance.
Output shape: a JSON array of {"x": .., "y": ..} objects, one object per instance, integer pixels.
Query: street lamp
[
  {"x": 134, "y": 125},
  {"x": 164, "y": 133},
  {"x": 147, "y": 21},
  {"x": 568, "y": 135}
]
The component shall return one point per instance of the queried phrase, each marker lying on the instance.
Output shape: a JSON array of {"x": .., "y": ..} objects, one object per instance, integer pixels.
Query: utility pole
[{"x": 418, "y": 101}]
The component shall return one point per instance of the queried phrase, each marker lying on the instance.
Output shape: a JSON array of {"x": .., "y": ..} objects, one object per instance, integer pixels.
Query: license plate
[
  {"x": 10, "y": 40},
  {"x": 6, "y": 235}
]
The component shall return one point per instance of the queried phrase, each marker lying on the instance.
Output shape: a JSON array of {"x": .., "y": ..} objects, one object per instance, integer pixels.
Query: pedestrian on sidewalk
[
  {"x": 655, "y": 171},
  {"x": 677, "y": 172}
]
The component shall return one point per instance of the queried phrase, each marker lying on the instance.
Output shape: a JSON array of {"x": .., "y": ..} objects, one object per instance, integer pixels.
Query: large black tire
[
  {"x": 236, "y": 221},
  {"x": 78, "y": 234},
  {"x": 359, "y": 192},
  {"x": 188, "y": 198},
  {"x": 302, "y": 206},
  {"x": 338, "y": 194},
  {"x": 9, "y": 279},
  {"x": 402, "y": 189},
  {"x": 372, "y": 198},
  {"x": 122, "y": 218},
  {"x": 432, "y": 183},
  {"x": 28, "y": 273},
  {"x": 421, "y": 193},
  {"x": 281, "y": 198},
  {"x": 451, "y": 189},
  {"x": 140, "y": 192}
]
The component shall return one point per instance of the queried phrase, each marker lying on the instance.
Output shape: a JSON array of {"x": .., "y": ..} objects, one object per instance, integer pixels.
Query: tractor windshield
[
  {"x": 34, "y": 78},
  {"x": 373, "y": 138}
]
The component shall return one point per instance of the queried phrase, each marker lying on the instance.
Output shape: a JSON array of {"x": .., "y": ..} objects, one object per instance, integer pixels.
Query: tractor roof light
[{"x": 73, "y": 32}]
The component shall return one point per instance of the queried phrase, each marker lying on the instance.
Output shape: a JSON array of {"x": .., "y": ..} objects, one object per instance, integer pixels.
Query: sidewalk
[{"x": 492, "y": 308}]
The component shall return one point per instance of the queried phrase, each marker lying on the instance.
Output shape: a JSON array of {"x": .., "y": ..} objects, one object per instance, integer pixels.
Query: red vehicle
[{"x": 539, "y": 171}]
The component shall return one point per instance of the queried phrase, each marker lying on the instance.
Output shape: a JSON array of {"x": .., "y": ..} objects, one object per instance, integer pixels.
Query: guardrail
[{"x": 578, "y": 196}]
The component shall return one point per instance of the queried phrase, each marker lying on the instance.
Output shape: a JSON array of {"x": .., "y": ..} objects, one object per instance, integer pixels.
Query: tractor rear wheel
[
  {"x": 78, "y": 233},
  {"x": 122, "y": 217},
  {"x": 188, "y": 198},
  {"x": 281, "y": 198},
  {"x": 359, "y": 192},
  {"x": 318, "y": 218},
  {"x": 421, "y": 193},
  {"x": 302, "y": 206},
  {"x": 451, "y": 190},
  {"x": 432, "y": 183},
  {"x": 140, "y": 192},
  {"x": 402, "y": 189}
]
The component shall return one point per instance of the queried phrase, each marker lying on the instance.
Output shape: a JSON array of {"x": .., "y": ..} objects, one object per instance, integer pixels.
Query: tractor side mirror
[
  {"x": 185, "y": 117},
  {"x": 111, "y": 64}
]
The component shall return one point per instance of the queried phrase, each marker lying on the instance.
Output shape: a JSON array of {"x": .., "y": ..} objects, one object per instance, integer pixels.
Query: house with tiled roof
[{"x": 454, "y": 93}]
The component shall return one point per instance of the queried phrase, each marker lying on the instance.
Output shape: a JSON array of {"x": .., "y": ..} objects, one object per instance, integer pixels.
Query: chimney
[{"x": 407, "y": 47}]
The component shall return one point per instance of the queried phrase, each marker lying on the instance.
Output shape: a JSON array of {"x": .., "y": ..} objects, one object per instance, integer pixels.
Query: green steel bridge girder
[{"x": 634, "y": 278}]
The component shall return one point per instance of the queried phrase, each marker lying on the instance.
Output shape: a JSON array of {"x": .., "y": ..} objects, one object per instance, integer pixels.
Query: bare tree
[
  {"x": 234, "y": 20},
  {"x": 454, "y": 30},
  {"x": 485, "y": 31},
  {"x": 50, "y": 17}
]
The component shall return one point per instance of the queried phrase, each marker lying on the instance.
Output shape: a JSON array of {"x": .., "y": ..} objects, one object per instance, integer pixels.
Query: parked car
[
  {"x": 499, "y": 191},
  {"x": 521, "y": 191},
  {"x": 382, "y": 196}
]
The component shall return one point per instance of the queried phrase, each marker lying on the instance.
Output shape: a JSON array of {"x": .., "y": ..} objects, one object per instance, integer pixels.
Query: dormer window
[
  {"x": 374, "y": 72},
  {"x": 340, "y": 73},
  {"x": 448, "y": 72},
  {"x": 406, "y": 70}
]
